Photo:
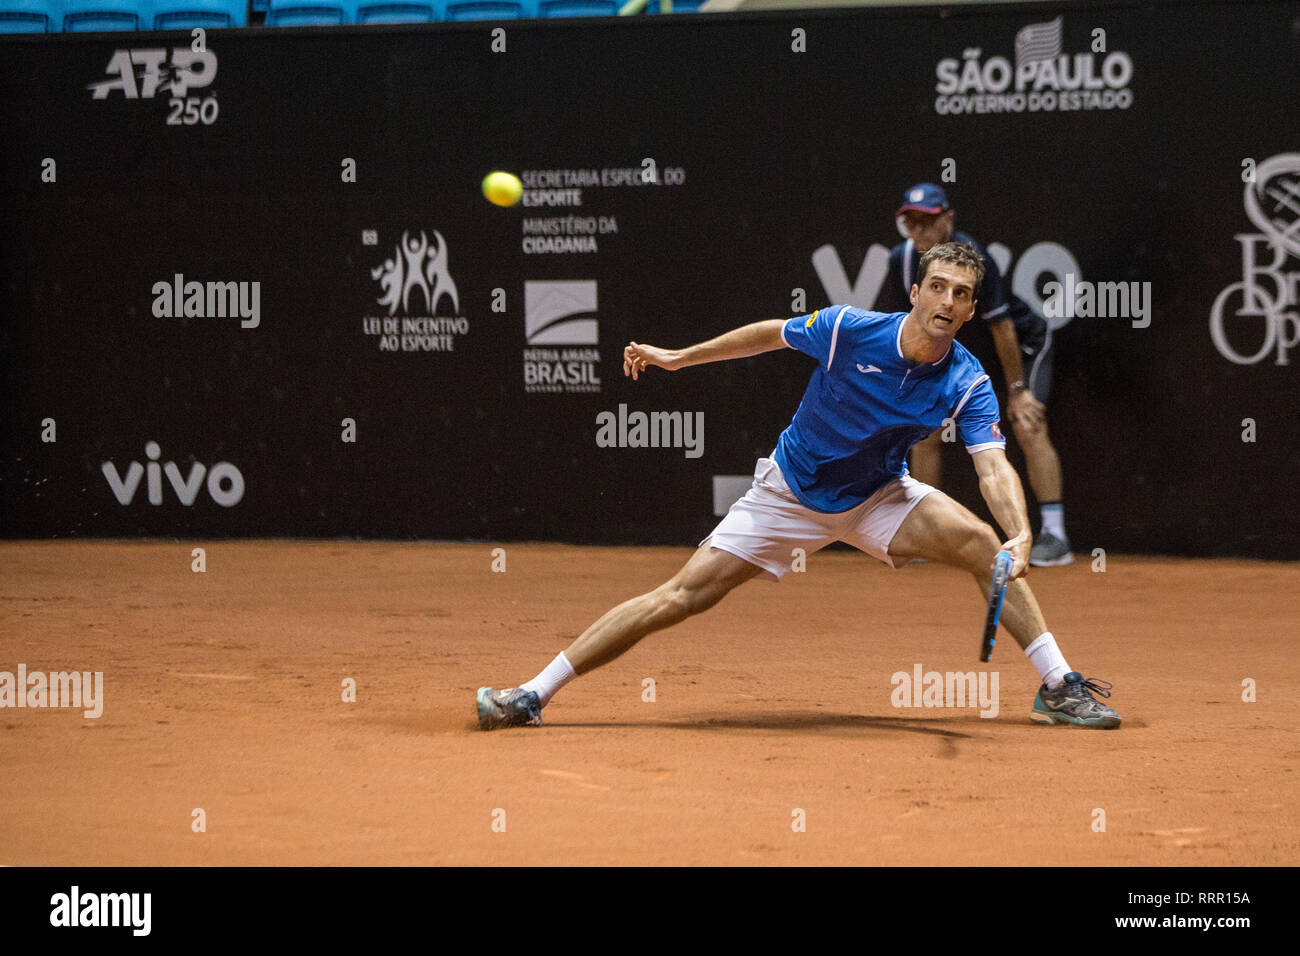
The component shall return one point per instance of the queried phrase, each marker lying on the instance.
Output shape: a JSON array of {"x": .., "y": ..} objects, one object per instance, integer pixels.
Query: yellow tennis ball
[{"x": 502, "y": 189}]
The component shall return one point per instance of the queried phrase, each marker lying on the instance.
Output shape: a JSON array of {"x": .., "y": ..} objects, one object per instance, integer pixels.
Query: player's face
[
  {"x": 945, "y": 300},
  {"x": 926, "y": 229}
]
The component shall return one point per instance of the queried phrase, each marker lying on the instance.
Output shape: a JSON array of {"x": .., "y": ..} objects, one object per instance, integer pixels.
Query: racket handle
[
  {"x": 1003, "y": 563},
  {"x": 1002, "y": 566}
]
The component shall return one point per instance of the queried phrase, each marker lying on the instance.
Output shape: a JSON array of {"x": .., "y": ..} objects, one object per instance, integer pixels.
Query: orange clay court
[{"x": 223, "y": 691}]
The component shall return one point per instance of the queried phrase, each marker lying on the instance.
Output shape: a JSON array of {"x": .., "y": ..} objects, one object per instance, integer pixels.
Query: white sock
[
  {"x": 553, "y": 676},
  {"x": 1054, "y": 519},
  {"x": 1047, "y": 659}
]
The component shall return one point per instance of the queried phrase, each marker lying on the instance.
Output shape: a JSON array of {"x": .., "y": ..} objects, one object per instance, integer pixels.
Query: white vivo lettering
[{"x": 225, "y": 482}]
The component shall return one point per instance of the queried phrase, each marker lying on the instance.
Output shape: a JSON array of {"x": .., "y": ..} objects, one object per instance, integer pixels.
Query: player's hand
[
  {"x": 1026, "y": 411},
  {"x": 637, "y": 357},
  {"x": 1019, "y": 547}
]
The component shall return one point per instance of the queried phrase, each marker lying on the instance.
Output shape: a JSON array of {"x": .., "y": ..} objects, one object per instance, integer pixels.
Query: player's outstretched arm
[
  {"x": 1025, "y": 410},
  {"x": 1000, "y": 486},
  {"x": 753, "y": 339}
]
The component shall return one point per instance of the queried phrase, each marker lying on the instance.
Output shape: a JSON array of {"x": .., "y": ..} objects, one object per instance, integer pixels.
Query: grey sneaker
[
  {"x": 1071, "y": 702},
  {"x": 1049, "y": 551},
  {"x": 511, "y": 707}
]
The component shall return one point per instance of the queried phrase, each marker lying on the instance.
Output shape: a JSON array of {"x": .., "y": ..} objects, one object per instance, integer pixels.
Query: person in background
[{"x": 1023, "y": 341}]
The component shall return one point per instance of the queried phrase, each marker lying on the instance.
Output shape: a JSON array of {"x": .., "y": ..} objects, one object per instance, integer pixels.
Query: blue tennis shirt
[{"x": 866, "y": 405}]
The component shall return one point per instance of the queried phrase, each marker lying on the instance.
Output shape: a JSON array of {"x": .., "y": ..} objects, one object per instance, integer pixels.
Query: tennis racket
[{"x": 997, "y": 590}]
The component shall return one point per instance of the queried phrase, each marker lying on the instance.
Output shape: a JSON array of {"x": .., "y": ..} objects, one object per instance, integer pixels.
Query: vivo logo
[{"x": 225, "y": 483}]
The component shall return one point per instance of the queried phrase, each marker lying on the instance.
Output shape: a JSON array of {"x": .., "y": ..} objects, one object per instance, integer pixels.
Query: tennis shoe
[
  {"x": 1049, "y": 551},
  {"x": 1072, "y": 702},
  {"x": 512, "y": 707}
]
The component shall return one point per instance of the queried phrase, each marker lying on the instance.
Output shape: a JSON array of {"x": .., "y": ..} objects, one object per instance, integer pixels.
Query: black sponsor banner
[{"x": 255, "y": 288}]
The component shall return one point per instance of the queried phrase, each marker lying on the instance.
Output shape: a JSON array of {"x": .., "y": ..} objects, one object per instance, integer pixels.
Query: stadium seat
[
  {"x": 188, "y": 14},
  {"x": 491, "y": 9},
  {"x": 94, "y": 15},
  {"x": 310, "y": 13},
  {"x": 687, "y": 6},
  {"x": 30, "y": 16},
  {"x": 578, "y": 8},
  {"x": 398, "y": 11}
]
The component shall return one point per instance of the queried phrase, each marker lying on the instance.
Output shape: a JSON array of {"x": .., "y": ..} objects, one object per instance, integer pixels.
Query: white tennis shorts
[{"x": 769, "y": 522}]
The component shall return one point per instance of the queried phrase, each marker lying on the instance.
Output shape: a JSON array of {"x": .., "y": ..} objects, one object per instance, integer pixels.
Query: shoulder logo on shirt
[
  {"x": 997, "y": 432},
  {"x": 811, "y": 319},
  {"x": 868, "y": 369}
]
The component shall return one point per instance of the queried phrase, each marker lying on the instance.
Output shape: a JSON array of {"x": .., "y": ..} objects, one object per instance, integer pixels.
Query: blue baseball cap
[{"x": 924, "y": 197}]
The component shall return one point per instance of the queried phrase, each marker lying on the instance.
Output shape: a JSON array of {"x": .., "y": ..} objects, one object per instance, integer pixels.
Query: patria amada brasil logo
[
  {"x": 561, "y": 313},
  {"x": 415, "y": 282},
  {"x": 1263, "y": 303},
  {"x": 1044, "y": 76}
]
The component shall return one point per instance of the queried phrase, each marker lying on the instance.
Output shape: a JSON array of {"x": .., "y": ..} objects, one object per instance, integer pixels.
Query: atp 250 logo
[{"x": 141, "y": 74}]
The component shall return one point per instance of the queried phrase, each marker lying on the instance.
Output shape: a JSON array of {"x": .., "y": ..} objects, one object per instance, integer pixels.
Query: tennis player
[{"x": 884, "y": 381}]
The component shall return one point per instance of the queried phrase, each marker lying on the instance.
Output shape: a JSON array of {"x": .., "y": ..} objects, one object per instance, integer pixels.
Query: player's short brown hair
[{"x": 957, "y": 253}]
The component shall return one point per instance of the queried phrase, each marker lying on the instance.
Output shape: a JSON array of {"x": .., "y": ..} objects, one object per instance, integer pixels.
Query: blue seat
[
  {"x": 398, "y": 11},
  {"x": 94, "y": 15},
  {"x": 208, "y": 14},
  {"x": 679, "y": 6},
  {"x": 491, "y": 9},
  {"x": 31, "y": 16},
  {"x": 578, "y": 8},
  {"x": 310, "y": 13}
]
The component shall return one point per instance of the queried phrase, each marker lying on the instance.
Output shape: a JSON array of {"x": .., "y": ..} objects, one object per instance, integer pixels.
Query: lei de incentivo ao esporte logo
[{"x": 416, "y": 282}]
